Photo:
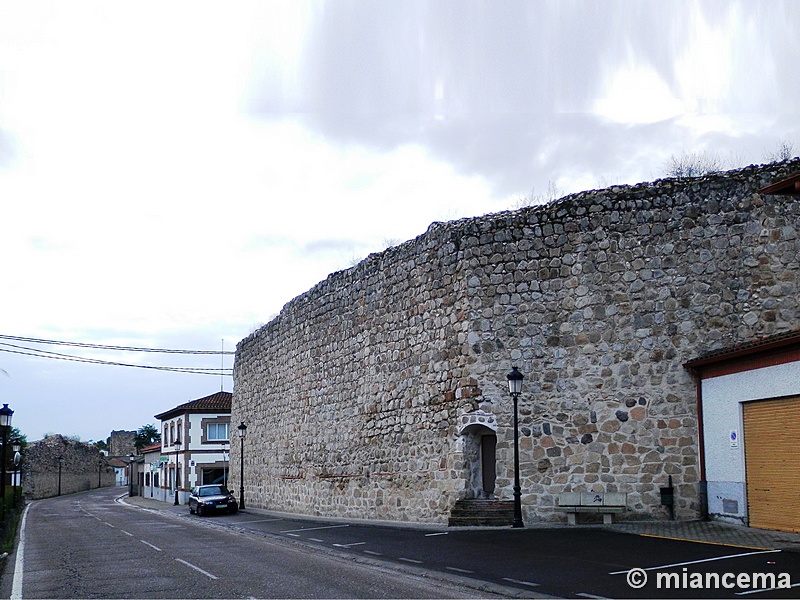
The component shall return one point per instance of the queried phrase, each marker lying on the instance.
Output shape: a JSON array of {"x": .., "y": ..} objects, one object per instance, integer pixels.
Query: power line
[
  {"x": 106, "y": 347},
  {"x": 23, "y": 350}
]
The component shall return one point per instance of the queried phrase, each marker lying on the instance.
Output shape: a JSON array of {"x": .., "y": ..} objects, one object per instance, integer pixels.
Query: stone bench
[{"x": 605, "y": 503}]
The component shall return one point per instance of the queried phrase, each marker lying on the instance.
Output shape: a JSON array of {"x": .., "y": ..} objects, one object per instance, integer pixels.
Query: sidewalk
[
  {"x": 713, "y": 532},
  {"x": 708, "y": 532}
]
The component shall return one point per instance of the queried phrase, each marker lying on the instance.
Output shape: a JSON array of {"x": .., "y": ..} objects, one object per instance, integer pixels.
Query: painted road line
[
  {"x": 19, "y": 563},
  {"x": 457, "y": 570},
  {"x": 528, "y": 583},
  {"x": 686, "y": 539},
  {"x": 593, "y": 596},
  {"x": 433, "y": 534},
  {"x": 126, "y": 533},
  {"x": 794, "y": 585},
  {"x": 156, "y": 548},
  {"x": 198, "y": 569},
  {"x": 261, "y": 521},
  {"x": 350, "y": 545},
  {"x": 411, "y": 560},
  {"x": 372, "y": 553},
  {"x": 109, "y": 524},
  {"x": 316, "y": 540},
  {"x": 316, "y": 528},
  {"x": 293, "y": 534},
  {"x": 695, "y": 562}
]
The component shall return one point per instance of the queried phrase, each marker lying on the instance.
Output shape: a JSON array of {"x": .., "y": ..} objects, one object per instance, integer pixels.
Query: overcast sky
[{"x": 172, "y": 174}]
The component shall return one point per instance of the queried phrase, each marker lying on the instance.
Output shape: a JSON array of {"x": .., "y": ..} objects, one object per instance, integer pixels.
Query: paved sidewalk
[
  {"x": 713, "y": 532},
  {"x": 709, "y": 532}
]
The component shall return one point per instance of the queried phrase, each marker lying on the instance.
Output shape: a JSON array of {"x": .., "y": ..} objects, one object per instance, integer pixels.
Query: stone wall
[
  {"x": 83, "y": 467},
  {"x": 122, "y": 443},
  {"x": 356, "y": 396}
]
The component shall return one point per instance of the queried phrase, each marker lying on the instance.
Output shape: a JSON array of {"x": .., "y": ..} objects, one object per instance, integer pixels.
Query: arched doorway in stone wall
[{"x": 479, "y": 432}]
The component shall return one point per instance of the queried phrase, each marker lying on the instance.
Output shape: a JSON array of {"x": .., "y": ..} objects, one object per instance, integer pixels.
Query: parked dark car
[{"x": 207, "y": 499}]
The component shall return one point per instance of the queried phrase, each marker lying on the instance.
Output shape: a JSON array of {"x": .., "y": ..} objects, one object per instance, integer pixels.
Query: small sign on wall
[{"x": 734, "y": 438}]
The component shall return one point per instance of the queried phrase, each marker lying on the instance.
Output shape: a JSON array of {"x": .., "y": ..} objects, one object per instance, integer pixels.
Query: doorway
[{"x": 488, "y": 463}]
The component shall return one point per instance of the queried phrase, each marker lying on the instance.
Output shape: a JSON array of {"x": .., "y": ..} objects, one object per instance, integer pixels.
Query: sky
[{"x": 172, "y": 174}]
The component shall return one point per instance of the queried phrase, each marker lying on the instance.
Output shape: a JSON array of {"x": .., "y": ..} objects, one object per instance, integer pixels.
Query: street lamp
[
  {"x": 177, "y": 445},
  {"x": 242, "y": 435},
  {"x": 5, "y": 423},
  {"x": 225, "y": 459},
  {"x": 16, "y": 447},
  {"x": 131, "y": 458},
  {"x": 60, "y": 464},
  {"x": 515, "y": 388}
]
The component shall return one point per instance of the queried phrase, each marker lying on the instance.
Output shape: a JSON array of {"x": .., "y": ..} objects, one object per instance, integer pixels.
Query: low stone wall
[
  {"x": 355, "y": 396},
  {"x": 83, "y": 467}
]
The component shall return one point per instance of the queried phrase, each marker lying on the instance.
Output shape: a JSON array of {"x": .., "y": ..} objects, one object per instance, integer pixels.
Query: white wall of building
[{"x": 723, "y": 431}]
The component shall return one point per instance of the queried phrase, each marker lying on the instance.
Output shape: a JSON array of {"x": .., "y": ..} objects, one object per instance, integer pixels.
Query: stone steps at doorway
[{"x": 482, "y": 513}]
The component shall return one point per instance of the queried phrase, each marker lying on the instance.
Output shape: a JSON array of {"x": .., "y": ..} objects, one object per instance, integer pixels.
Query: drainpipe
[{"x": 702, "y": 491}]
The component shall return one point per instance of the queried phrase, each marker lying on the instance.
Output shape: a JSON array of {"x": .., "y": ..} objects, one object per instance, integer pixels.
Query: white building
[
  {"x": 749, "y": 406},
  {"x": 195, "y": 439}
]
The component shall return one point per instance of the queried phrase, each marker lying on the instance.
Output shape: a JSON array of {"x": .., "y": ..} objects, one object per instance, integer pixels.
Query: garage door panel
[{"x": 772, "y": 460}]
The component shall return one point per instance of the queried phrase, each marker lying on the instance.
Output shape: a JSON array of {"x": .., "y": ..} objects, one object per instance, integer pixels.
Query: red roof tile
[
  {"x": 770, "y": 343},
  {"x": 219, "y": 402}
]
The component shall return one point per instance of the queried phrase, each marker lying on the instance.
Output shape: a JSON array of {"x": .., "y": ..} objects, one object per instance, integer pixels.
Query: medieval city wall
[
  {"x": 357, "y": 394},
  {"x": 83, "y": 467}
]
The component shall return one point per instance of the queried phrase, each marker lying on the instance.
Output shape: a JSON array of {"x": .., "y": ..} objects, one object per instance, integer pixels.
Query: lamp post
[
  {"x": 225, "y": 458},
  {"x": 177, "y": 445},
  {"x": 5, "y": 423},
  {"x": 60, "y": 464},
  {"x": 242, "y": 435},
  {"x": 131, "y": 458},
  {"x": 16, "y": 447},
  {"x": 515, "y": 388}
]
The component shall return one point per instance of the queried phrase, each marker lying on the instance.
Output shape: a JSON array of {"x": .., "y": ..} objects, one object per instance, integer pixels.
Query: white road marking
[
  {"x": 411, "y": 560},
  {"x": 529, "y": 583},
  {"x": 156, "y": 548},
  {"x": 694, "y": 562},
  {"x": 198, "y": 569},
  {"x": 350, "y": 545},
  {"x": 126, "y": 533},
  {"x": 457, "y": 570},
  {"x": 764, "y": 590},
  {"x": 314, "y": 540},
  {"x": 293, "y": 534},
  {"x": 109, "y": 524},
  {"x": 594, "y": 596},
  {"x": 372, "y": 553},
  {"x": 261, "y": 521},
  {"x": 19, "y": 564},
  {"x": 316, "y": 528},
  {"x": 433, "y": 534}
]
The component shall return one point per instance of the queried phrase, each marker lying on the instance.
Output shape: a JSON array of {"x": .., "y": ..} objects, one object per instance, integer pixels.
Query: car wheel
[
  {"x": 191, "y": 510},
  {"x": 233, "y": 510},
  {"x": 199, "y": 510}
]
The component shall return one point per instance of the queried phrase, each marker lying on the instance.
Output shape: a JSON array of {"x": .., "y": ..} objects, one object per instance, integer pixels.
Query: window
[{"x": 217, "y": 431}]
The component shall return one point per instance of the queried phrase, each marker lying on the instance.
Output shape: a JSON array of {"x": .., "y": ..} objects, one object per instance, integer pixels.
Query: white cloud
[{"x": 179, "y": 172}]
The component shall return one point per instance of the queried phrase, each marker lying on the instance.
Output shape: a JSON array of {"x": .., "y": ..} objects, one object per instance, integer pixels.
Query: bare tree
[
  {"x": 693, "y": 164},
  {"x": 534, "y": 199},
  {"x": 785, "y": 151}
]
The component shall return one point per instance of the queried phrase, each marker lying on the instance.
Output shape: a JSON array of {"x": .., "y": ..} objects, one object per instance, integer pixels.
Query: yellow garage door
[{"x": 772, "y": 455}]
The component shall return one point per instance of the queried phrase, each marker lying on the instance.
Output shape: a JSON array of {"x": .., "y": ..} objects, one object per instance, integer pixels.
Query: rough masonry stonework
[{"x": 372, "y": 394}]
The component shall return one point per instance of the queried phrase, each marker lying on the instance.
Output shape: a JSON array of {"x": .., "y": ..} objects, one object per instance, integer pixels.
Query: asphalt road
[
  {"x": 88, "y": 545},
  {"x": 575, "y": 562}
]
